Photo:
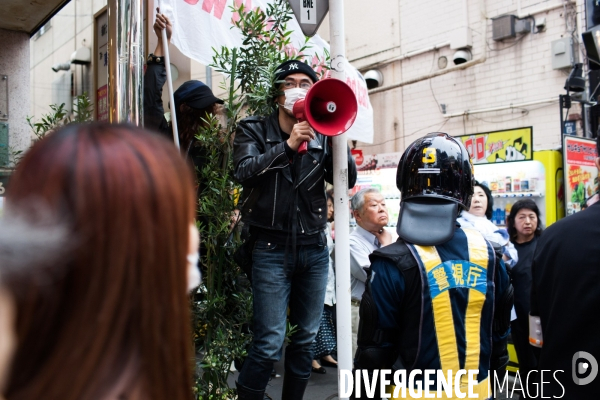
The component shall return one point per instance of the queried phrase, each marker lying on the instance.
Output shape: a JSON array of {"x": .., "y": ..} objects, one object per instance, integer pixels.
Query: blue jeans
[{"x": 302, "y": 286}]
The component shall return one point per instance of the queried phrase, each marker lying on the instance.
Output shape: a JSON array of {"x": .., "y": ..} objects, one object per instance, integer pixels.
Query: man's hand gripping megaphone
[{"x": 329, "y": 107}]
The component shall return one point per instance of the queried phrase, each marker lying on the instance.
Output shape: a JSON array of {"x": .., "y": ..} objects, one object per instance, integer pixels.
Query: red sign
[
  {"x": 469, "y": 146},
  {"x": 358, "y": 157},
  {"x": 480, "y": 147},
  {"x": 581, "y": 152},
  {"x": 102, "y": 104},
  {"x": 581, "y": 189}
]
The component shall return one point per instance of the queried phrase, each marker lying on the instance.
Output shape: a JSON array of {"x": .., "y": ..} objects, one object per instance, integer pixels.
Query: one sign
[
  {"x": 500, "y": 146},
  {"x": 570, "y": 128},
  {"x": 581, "y": 174},
  {"x": 369, "y": 163},
  {"x": 4, "y": 151},
  {"x": 309, "y": 14},
  {"x": 4, "y": 176},
  {"x": 199, "y": 26},
  {"x": 358, "y": 157},
  {"x": 100, "y": 60},
  {"x": 3, "y": 97}
]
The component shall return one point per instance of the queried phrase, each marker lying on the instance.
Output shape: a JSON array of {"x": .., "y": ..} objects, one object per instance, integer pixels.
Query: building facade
[{"x": 413, "y": 46}]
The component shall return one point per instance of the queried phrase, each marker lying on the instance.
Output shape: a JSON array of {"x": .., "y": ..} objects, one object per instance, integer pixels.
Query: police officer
[{"x": 439, "y": 297}]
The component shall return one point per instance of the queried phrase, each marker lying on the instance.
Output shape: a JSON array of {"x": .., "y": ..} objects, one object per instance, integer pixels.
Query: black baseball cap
[
  {"x": 290, "y": 67},
  {"x": 195, "y": 94}
]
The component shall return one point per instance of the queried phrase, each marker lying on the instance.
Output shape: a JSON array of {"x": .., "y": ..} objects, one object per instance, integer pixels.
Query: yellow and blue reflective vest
[{"x": 439, "y": 302}]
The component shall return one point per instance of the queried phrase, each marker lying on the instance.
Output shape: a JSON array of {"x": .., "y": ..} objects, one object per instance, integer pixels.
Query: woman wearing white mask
[{"x": 479, "y": 217}]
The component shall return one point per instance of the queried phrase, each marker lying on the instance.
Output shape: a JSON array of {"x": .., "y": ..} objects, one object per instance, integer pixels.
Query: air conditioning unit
[{"x": 507, "y": 26}]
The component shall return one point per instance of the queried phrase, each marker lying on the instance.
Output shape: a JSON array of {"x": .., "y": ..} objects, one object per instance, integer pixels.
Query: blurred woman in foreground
[
  {"x": 112, "y": 320},
  {"x": 17, "y": 260}
]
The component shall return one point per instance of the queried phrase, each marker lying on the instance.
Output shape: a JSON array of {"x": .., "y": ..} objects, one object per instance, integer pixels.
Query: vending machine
[{"x": 505, "y": 162}]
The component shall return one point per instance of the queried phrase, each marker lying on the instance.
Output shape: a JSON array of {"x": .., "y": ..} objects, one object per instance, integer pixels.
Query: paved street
[{"x": 320, "y": 387}]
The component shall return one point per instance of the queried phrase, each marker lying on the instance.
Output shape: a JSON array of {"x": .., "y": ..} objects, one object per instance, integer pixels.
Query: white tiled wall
[{"x": 509, "y": 72}]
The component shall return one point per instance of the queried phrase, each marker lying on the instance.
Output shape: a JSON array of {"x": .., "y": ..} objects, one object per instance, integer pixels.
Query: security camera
[
  {"x": 374, "y": 78},
  {"x": 462, "y": 56},
  {"x": 61, "y": 67}
]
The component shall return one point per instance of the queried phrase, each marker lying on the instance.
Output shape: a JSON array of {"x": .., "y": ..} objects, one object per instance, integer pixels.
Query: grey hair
[{"x": 358, "y": 200}]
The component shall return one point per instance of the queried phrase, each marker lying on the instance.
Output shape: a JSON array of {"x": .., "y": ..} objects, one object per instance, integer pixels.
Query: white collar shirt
[{"x": 362, "y": 244}]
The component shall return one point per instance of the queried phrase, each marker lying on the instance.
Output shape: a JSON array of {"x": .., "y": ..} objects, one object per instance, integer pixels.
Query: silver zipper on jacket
[
  {"x": 275, "y": 199},
  {"x": 317, "y": 181},
  {"x": 246, "y": 199},
  {"x": 269, "y": 166},
  {"x": 306, "y": 177},
  {"x": 300, "y": 221}
]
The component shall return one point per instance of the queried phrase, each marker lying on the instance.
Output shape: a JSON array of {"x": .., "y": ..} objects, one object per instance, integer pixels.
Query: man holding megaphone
[{"x": 285, "y": 205}]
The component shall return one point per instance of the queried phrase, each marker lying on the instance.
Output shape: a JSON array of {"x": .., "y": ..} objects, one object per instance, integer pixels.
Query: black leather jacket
[{"x": 265, "y": 171}]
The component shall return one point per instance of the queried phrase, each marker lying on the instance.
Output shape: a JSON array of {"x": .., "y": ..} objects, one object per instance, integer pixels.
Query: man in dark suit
[{"x": 566, "y": 297}]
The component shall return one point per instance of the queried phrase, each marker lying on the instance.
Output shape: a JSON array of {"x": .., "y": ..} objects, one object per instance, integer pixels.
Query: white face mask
[
  {"x": 292, "y": 96},
  {"x": 194, "y": 276}
]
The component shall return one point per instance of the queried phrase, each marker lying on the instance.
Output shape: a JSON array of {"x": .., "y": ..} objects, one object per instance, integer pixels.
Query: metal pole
[
  {"x": 209, "y": 77},
  {"x": 125, "y": 61},
  {"x": 341, "y": 211},
  {"x": 560, "y": 107},
  {"x": 165, "y": 43},
  {"x": 587, "y": 129}
]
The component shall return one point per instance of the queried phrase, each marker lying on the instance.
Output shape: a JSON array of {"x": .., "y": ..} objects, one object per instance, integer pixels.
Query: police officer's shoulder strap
[{"x": 397, "y": 252}]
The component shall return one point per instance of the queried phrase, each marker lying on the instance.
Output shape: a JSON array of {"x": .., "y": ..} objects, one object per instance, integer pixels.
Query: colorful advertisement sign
[
  {"x": 581, "y": 173},
  {"x": 101, "y": 64},
  {"x": 369, "y": 163},
  {"x": 102, "y": 104},
  {"x": 500, "y": 146}
]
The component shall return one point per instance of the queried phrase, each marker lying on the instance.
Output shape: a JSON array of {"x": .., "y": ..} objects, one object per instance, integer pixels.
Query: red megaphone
[{"x": 330, "y": 108}]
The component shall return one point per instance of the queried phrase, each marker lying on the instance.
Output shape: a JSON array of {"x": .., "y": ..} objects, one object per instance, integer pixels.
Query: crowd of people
[{"x": 98, "y": 306}]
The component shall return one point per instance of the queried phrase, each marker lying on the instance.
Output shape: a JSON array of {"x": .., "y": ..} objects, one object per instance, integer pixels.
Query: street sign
[
  {"x": 309, "y": 14},
  {"x": 4, "y": 151}
]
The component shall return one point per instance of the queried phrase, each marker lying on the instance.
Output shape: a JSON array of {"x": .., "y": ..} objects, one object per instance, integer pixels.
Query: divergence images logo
[{"x": 584, "y": 363}]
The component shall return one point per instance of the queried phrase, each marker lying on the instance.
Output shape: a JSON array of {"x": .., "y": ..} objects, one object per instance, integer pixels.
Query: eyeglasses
[{"x": 292, "y": 84}]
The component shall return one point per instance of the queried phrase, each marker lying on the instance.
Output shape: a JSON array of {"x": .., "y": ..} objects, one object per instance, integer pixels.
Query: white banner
[{"x": 201, "y": 25}]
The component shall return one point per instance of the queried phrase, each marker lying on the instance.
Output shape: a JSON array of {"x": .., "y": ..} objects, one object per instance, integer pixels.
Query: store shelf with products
[
  {"x": 510, "y": 182},
  {"x": 518, "y": 194}
]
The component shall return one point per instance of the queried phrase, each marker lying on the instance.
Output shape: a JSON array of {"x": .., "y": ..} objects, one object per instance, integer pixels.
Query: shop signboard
[
  {"x": 370, "y": 163},
  {"x": 4, "y": 176},
  {"x": 500, "y": 146},
  {"x": 100, "y": 60},
  {"x": 581, "y": 173}
]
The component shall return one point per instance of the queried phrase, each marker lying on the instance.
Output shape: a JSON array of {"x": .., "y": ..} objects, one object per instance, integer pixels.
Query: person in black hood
[{"x": 193, "y": 99}]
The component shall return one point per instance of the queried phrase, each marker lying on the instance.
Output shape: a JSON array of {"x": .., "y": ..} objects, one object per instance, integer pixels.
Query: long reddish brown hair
[{"x": 116, "y": 313}]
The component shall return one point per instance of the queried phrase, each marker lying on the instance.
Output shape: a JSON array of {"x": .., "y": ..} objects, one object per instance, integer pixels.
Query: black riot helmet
[{"x": 435, "y": 178}]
